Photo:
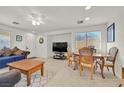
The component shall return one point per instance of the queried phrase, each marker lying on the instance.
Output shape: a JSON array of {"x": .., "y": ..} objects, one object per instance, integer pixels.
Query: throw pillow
[
  {"x": 19, "y": 52},
  {"x": 15, "y": 49},
  {"x": 1, "y": 52},
  {"x": 7, "y": 52}
]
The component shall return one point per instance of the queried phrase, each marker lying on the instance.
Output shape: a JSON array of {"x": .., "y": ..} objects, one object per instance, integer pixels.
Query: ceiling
[{"x": 56, "y": 17}]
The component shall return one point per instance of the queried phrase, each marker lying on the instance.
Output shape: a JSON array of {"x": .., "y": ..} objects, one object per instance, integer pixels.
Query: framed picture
[
  {"x": 18, "y": 38},
  {"x": 111, "y": 33}
]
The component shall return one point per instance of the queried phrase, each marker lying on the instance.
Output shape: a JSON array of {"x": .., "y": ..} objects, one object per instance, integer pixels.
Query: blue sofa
[{"x": 8, "y": 59}]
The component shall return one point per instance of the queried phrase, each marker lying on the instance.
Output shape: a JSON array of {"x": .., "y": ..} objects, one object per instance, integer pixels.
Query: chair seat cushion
[
  {"x": 86, "y": 65},
  {"x": 108, "y": 63},
  {"x": 71, "y": 58}
]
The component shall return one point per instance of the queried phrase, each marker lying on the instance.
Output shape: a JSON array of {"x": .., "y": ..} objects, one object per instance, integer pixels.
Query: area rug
[
  {"x": 57, "y": 73},
  {"x": 36, "y": 80}
]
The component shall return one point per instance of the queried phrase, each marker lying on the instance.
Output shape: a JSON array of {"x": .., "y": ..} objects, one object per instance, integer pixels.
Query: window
[
  {"x": 80, "y": 40},
  {"x": 4, "y": 39},
  {"x": 111, "y": 33},
  {"x": 88, "y": 39}
]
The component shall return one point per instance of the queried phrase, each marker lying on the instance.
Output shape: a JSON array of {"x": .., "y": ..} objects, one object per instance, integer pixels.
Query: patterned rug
[{"x": 36, "y": 80}]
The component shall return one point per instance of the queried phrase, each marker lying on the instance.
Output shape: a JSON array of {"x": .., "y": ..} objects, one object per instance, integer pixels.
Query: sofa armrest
[{"x": 26, "y": 53}]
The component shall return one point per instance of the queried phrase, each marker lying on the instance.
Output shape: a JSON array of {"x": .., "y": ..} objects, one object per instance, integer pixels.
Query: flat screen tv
[{"x": 60, "y": 46}]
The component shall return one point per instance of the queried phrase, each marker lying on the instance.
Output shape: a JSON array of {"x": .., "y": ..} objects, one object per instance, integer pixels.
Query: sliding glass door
[
  {"x": 88, "y": 39},
  {"x": 80, "y": 40}
]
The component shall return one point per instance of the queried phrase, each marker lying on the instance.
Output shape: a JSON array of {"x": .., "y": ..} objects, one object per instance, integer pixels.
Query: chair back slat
[{"x": 86, "y": 55}]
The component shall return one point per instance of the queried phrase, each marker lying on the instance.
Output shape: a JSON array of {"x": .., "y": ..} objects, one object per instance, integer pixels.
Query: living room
[{"x": 62, "y": 24}]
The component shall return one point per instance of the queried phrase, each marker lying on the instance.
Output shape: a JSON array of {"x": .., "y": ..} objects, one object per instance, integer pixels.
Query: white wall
[
  {"x": 119, "y": 37},
  {"x": 44, "y": 49},
  {"x": 30, "y": 43},
  {"x": 21, "y": 45},
  {"x": 14, "y": 43},
  {"x": 41, "y": 49}
]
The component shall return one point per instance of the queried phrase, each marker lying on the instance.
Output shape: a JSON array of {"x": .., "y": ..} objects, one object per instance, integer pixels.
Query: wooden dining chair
[
  {"x": 70, "y": 57},
  {"x": 86, "y": 60},
  {"x": 110, "y": 61}
]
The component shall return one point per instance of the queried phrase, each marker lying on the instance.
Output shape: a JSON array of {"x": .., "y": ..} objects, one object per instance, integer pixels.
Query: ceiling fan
[{"x": 36, "y": 18}]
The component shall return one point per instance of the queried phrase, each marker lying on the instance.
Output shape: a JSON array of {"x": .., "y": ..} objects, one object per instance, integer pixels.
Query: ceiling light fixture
[
  {"x": 80, "y": 22},
  {"x": 37, "y": 19},
  {"x": 87, "y": 18},
  {"x": 16, "y": 23},
  {"x": 87, "y": 7}
]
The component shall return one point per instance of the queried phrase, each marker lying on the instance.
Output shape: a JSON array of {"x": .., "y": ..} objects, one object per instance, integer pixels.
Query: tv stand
[{"x": 59, "y": 55}]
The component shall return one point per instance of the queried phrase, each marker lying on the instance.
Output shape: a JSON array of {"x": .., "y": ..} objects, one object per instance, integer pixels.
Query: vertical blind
[
  {"x": 4, "y": 39},
  {"x": 87, "y": 39}
]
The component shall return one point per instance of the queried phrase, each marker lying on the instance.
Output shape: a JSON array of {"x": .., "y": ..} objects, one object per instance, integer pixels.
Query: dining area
[{"x": 85, "y": 57}]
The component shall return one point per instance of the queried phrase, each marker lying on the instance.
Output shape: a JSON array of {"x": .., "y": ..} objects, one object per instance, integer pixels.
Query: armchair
[{"x": 110, "y": 61}]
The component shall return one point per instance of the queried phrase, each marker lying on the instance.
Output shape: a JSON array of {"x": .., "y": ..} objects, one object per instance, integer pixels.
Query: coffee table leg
[
  {"x": 28, "y": 79},
  {"x": 10, "y": 68},
  {"x": 42, "y": 69}
]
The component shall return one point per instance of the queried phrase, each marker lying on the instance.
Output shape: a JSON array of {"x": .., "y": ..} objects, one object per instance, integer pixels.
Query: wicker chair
[
  {"x": 86, "y": 60},
  {"x": 70, "y": 57}
]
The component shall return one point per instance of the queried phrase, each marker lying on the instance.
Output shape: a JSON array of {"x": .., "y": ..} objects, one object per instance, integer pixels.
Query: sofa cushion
[
  {"x": 7, "y": 52},
  {"x": 7, "y": 59},
  {"x": 15, "y": 49},
  {"x": 1, "y": 52},
  {"x": 1, "y": 55},
  {"x": 8, "y": 56},
  {"x": 19, "y": 52}
]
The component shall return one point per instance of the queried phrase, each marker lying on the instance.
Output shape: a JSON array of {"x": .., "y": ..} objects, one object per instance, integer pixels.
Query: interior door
[{"x": 30, "y": 44}]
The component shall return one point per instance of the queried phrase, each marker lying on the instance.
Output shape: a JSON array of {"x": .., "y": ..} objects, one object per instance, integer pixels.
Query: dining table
[{"x": 101, "y": 62}]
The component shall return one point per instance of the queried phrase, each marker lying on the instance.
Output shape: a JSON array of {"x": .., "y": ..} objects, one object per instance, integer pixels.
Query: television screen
[{"x": 60, "y": 46}]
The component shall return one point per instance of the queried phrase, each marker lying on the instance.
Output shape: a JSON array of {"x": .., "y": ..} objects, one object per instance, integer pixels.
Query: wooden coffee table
[{"x": 28, "y": 66}]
